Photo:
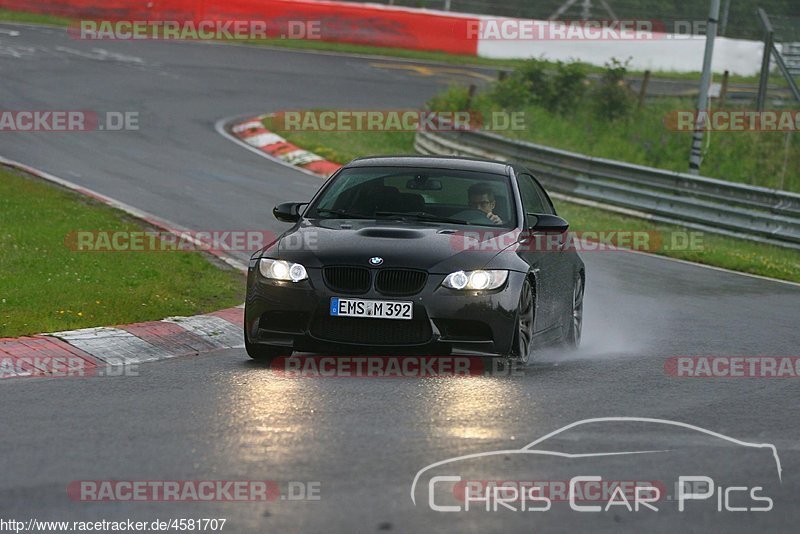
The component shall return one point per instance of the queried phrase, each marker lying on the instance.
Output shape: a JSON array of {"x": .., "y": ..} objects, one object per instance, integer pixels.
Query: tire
[
  {"x": 523, "y": 331},
  {"x": 572, "y": 339},
  {"x": 264, "y": 353}
]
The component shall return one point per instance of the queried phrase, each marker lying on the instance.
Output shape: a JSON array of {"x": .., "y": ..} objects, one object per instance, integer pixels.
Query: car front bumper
[{"x": 297, "y": 316}]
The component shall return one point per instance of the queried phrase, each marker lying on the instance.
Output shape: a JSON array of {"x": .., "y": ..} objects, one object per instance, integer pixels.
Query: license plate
[{"x": 371, "y": 309}]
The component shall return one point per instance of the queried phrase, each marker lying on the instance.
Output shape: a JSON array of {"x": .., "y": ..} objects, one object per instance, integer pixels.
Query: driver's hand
[{"x": 494, "y": 218}]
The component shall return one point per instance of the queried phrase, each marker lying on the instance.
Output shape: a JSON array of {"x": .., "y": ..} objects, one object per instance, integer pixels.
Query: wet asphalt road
[{"x": 222, "y": 417}]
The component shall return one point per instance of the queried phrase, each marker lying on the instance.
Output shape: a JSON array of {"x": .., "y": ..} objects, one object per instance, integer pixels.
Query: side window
[
  {"x": 531, "y": 201},
  {"x": 534, "y": 199}
]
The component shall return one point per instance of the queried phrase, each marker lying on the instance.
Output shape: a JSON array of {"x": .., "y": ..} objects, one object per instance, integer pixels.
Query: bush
[
  {"x": 455, "y": 98},
  {"x": 600, "y": 119},
  {"x": 510, "y": 93},
  {"x": 612, "y": 98},
  {"x": 532, "y": 83},
  {"x": 568, "y": 86},
  {"x": 539, "y": 83}
]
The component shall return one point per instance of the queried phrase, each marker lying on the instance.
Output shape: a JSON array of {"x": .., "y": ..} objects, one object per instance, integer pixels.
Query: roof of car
[{"x": 447, "y": 162}]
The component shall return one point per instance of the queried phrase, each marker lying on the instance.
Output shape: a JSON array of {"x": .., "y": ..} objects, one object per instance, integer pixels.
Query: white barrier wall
[{"x": 662, "y": 53}]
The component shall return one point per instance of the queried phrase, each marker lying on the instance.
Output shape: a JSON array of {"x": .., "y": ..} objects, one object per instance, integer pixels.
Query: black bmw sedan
[{"x": 417, "y": 255}]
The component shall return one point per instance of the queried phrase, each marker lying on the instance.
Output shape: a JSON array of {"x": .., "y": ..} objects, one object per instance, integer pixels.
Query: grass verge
[
  {"x": 755, "y": 158},
  {"x": 719, "y": 251},
  {"x": 45, "y": 286},
  {"x": 601, "y": 118},
  {"x": 439, "y": 57},
  {"x": 7, "y": 15}
]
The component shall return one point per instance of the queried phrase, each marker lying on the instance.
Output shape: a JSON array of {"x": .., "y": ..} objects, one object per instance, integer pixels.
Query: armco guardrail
[{"x": 754, "y": 213}]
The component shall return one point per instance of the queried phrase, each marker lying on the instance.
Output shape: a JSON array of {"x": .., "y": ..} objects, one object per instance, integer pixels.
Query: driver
[{"x": 481, "y": 197}]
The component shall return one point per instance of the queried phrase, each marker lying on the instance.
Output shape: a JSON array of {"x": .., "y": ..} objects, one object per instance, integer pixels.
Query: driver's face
[{"x": 482, "y": 202}]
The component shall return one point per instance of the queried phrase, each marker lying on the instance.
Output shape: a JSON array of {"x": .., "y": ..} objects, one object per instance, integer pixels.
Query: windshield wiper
[
  {"x": 422, "y": 215},
  {"x": 343, "y": 213}
]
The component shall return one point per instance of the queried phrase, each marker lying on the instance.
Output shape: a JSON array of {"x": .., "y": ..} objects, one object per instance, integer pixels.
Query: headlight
[
  {"x": 282, "y": 270},
  {"x": 476, "y": 280}
]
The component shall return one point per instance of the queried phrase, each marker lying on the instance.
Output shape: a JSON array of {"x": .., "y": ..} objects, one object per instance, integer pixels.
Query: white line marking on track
[
  {"x": 17, "y": 52},
  {"x": 100, "y": 54}
]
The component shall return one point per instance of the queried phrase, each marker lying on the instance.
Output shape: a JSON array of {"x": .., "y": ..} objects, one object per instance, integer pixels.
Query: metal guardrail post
[
  {"x": 723, "y": 90},
  {"x": 786, "y": 74},
  {"x": 643, "y": 89},
  {"x": 769, "y": 36},
  {"x": 696, "y": 154},
  {"x": 723, "y": 24},
  {"x": 470, "y": 95}
]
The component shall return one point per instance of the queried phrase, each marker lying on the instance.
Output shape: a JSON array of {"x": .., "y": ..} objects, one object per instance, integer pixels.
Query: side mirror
[
  {"x": 288, "y": 211},
  {"x": 551, "y": 224}
]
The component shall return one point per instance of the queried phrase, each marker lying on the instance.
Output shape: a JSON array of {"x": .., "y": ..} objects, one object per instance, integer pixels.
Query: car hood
[{"x": 436, "y": 248}]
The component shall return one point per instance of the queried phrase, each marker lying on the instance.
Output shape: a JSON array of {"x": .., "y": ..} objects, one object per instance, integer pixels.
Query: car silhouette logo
[{"x": 376, "y": 261}]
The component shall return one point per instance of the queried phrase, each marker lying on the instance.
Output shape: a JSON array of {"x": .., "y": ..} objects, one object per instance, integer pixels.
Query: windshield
[{"x": 419, "y": 194}]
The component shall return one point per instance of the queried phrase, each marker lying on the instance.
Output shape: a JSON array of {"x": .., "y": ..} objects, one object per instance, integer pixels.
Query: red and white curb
[
  {"x": 84, "y": 352},
  {"x": 255, "y": 135}
]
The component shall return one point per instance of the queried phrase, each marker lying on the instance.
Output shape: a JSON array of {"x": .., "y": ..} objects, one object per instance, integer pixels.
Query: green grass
[
  {"x": 755, "y": 158},
  {"x": 8, "y": 15},
  {"x": 349, "y": 48},
  {"x": 716, "y": 250},
  {"x": 342, "y": 147},
  {"x": 45, "y": 286}
]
